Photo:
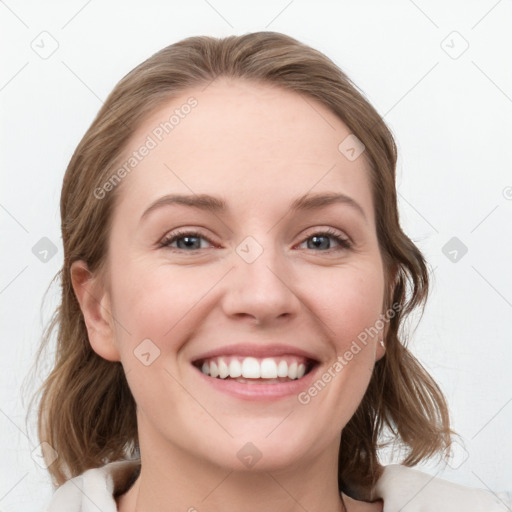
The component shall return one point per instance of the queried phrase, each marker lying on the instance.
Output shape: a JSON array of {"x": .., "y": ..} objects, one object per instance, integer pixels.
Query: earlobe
[
  {"x": 94, "y": 302},
  {"x": 381, "y": 349}
]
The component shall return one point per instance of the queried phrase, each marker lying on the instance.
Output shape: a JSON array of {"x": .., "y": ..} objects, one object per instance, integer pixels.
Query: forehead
[{"x": 251, "y": 143}]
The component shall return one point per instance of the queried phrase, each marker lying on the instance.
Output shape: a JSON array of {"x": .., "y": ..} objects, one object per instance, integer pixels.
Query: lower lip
[{"x": 259, "y": 391}]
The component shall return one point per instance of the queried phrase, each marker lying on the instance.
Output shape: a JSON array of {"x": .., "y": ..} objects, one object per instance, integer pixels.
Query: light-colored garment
[
  {"x": 409, "y": 490},
  {"x": 402, "y": 489}
]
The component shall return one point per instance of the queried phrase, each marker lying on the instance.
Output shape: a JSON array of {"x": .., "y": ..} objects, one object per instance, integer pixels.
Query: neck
[{"x": 172, "y": 480}]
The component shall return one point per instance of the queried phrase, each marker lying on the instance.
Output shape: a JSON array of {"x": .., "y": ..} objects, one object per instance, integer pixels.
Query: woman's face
[{"x": 258, "y": 278}]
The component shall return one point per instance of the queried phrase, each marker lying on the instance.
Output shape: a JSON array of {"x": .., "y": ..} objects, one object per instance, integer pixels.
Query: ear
[
  {"x": 380, "y": 351},
  {"x": 94, "y": 302},
  {"x": 386, "y": 315}
]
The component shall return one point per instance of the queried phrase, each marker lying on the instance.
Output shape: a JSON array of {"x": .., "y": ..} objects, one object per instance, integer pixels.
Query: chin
[{"x": 280, "y": 450}]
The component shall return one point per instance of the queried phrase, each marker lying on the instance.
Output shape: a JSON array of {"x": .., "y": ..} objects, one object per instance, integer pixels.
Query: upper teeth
[{"x": 252, "y": 368}]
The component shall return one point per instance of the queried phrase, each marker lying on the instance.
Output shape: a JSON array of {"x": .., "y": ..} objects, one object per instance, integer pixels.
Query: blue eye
[
  {"x": 190, "y": 241},
  {"x": 319, "y": 241}
]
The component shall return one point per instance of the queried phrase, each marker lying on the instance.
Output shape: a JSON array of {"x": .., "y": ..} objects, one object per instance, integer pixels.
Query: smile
[
  {"x": 259, "y": 372},
  {"x": 252, "y": 369}
]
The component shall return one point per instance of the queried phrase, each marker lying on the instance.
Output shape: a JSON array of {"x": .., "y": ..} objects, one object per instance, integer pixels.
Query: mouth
[
  {"x": 256, "y": 370},
  {"x": 259, "y": 372}
]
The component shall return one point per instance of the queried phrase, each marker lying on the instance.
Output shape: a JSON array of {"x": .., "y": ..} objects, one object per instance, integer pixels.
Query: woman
[{"x": 234, "y": 281}]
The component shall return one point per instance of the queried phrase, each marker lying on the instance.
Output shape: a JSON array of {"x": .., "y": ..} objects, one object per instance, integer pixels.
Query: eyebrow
[{"x": 214, "y": 204}]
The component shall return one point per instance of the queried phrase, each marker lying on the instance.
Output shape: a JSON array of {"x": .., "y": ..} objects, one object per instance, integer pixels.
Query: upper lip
[{"x": 255, "y": 350}]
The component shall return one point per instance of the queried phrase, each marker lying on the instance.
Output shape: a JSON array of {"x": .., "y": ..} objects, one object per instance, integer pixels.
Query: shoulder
[
  {"x": 409, "y": 490},
  {"x": 95, "y": 487}
]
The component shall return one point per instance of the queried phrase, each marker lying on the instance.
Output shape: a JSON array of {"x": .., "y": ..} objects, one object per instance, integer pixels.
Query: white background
[{"x": 452, "y": 121}]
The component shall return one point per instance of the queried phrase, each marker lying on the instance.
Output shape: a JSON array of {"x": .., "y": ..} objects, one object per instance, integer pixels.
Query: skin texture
[{"x": 258, "y": 148}]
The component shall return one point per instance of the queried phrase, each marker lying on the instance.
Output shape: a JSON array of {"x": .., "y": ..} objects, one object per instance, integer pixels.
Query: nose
[{"x": 262, "y": 291}]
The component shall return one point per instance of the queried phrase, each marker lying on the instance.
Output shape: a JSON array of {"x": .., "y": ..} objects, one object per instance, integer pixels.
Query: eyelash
[{"x": 344, "y": 243}]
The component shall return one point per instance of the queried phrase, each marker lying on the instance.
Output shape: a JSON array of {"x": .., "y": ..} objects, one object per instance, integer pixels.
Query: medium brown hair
[{"x": 86, "y": 410}]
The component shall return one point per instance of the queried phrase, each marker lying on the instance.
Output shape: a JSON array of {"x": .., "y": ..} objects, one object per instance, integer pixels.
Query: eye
[
  {"x": 185, "y": 240},
  {"x": 320, "y": 240},
  {"x": 190, "y": 241}
]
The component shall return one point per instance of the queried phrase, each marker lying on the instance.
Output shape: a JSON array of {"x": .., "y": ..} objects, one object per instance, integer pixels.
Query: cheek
[
  {"x": 348, "y": 303},
  {"x": 156, "y": 303},
  {"x": 155, "y": 307},
  {"x": 348, "y": 300},
  {"x": 161, "y": 303}
]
